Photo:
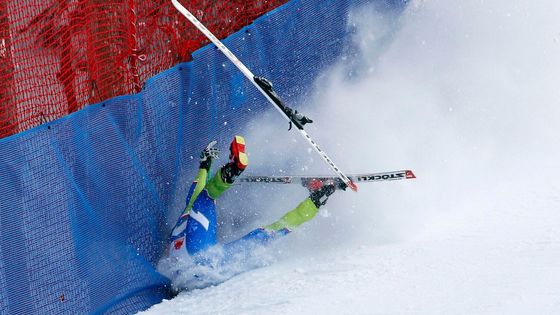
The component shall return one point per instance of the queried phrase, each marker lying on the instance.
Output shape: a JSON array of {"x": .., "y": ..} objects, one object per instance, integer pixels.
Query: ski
[
  {"x": 265, "y": 87},
  {"x": 305, "y": 179}
]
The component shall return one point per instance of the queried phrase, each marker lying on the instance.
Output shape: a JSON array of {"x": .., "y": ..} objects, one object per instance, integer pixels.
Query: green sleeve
[
  {"x": 304, "y": 212},
  {"x": 216, "y": 186},
  {"x": 200, "y": 184}
]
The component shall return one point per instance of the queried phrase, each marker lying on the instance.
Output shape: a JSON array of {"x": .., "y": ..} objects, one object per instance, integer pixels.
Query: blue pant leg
[
  {"x": 201, "y": 228},
  {"x": 196, "y": 229}
]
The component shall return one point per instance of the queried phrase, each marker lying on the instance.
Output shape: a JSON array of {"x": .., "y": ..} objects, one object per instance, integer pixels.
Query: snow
[{"x": 467, "y": 96}]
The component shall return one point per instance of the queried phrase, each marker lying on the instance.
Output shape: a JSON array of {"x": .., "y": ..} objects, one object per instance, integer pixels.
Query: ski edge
[{"x": 302, "y": 179}]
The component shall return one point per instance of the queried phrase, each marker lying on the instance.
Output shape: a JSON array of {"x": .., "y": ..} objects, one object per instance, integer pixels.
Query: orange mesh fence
[{"x": 57, "y": 56}]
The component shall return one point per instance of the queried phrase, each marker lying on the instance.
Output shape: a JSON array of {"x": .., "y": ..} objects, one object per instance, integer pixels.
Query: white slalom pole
[{"x": 266, "y": 89}]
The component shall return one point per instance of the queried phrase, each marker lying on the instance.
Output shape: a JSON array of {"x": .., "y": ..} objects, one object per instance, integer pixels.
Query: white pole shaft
[
  {"x": 224, "y": 49},
  {"x": 251, "y": 77}
]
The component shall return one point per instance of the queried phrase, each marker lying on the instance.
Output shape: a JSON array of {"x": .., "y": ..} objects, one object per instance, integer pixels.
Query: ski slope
[{"x": 467, "y": 96}]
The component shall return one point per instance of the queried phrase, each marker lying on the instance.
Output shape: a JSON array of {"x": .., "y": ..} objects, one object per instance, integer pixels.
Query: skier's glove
[{"x": 209, "y": 153}]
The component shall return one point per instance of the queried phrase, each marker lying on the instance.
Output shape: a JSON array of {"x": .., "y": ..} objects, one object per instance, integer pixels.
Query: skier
[{"x": 195, "y": 232}]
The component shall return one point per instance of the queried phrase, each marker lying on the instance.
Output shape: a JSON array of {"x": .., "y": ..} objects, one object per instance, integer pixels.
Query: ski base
[{"x": 304, "y": 180}]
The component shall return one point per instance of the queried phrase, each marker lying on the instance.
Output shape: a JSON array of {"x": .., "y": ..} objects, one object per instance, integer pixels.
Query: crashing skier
[{"x": 194, "y": 237}]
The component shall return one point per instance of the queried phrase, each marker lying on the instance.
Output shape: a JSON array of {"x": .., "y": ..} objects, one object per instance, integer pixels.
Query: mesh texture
[
  {"x": 87, "y": 201},
  {"x": 58, "y": 56}
]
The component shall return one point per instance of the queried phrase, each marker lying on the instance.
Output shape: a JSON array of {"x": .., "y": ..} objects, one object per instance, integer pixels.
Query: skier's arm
[
  {"x": 304, "y": 212},
  {"x": 206, "y": 157},
  {"x": 199, "y": 184}
]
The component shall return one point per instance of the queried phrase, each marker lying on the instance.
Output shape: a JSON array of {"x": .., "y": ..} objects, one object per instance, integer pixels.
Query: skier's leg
[
  {"x": 217, "y": 185},
  {"x": 196, "y": 228},
  {"x": 180, "y": 231},
  {"x": 201, "y": 225},
  {"x": 226, "y": 175},
  {"x": 196, "y": 199},
  {"x": 304, "y": 212}
]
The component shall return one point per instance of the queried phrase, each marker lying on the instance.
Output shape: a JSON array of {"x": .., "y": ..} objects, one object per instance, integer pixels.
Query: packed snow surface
[{"x": 467, "y": 95}]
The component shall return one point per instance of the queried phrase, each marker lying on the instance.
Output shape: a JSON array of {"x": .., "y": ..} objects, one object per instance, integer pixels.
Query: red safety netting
[{"x": 57, "y": 56}]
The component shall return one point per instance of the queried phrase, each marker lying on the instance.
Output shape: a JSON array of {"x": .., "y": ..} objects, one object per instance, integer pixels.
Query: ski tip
[
  {"x": 410, "y": 174},
  {"x": 352, "y": 186}
]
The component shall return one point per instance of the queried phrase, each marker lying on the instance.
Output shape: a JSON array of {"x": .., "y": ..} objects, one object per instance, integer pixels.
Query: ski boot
[
  {"x": 226, "y": 175},
  {"x": 238, "y": 160}
]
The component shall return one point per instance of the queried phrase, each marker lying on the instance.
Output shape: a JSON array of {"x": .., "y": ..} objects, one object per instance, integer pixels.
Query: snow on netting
[
  {"x": 86, "y": 200},
  {"x": 57, "y": 56}
]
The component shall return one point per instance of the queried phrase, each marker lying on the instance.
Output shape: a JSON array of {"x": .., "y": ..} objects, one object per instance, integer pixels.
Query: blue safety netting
[{"x": 86, "y": 200}]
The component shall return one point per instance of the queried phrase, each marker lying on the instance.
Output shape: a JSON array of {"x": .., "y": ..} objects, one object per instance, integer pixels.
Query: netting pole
[
  {"x": 133, "y": 44},
  {"x": 67, "y": 74}
]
